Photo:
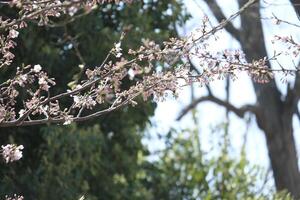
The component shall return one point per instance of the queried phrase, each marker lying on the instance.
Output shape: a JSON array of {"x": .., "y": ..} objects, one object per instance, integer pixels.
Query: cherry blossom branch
[
  {"x": 117, "y": 104},
  {"x": 224, "y": 22},
  {"x": 40, "y": 9},
  {"x": 229, "y": 64},
  {"x": 278, "y": 21},
  {"x": 101, "y": 87}
]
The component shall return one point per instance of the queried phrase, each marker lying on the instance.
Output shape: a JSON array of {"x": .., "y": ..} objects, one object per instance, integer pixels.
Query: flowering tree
[{"x": 99, "y": 90}]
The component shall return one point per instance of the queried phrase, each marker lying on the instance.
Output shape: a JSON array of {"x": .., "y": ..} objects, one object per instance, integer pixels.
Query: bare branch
[
  {"x": 238, "y": 111},
  {"x": 218, "y": 13}
]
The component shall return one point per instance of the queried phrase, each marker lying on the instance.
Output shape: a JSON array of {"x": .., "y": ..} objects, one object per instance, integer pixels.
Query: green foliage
[
  {"x": 83, "y": 161},
  {"x": 184, "y": 171},
  {"x": 88, "y": 162}
]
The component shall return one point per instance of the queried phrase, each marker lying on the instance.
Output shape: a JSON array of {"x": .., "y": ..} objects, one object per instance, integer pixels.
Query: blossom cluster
[
  {"x": 14, "y": 197},
  {"x": 11, "y": 152},
  {"x": 292, "y": 45},
  {"x": 42, "y": 11},
  {"x": 7, "y": 43},
  {"x": 27, "y": 76}
]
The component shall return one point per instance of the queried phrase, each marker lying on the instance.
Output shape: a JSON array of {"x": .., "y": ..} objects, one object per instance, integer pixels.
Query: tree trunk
[
  {"x": 275, "y": 114},
  {"x": 283, "y": 156}
]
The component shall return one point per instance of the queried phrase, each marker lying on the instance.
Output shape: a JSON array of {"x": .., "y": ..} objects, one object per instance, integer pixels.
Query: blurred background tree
[{"x": 183, "y": 170}]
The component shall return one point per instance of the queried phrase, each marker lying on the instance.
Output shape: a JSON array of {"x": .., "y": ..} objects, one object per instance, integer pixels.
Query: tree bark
[{"x": 275, "y": 115}]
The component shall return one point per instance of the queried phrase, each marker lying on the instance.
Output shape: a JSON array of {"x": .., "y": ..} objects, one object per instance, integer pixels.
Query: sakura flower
[
  {"x": 21, "y": 112},
  {"x": 118, "y": 50},
  {"x": 119, "y": 55},
  {"x": 275, "y": 20},
  {"x": 2, "y": 113},
  {"x": 118, "y": 46},
  {"x": 68, "y": 120},
  {"x": 37, "y": 68},
  {"x": 76, "y": 99},
  {"x": 13, "y": 33},
  {"x": 43, "y": 83},
  {"x": 11, "y": 152}
]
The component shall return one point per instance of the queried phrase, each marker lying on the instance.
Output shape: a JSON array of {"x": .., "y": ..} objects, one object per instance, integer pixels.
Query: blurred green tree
[{"x": 185, "y": 171}]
